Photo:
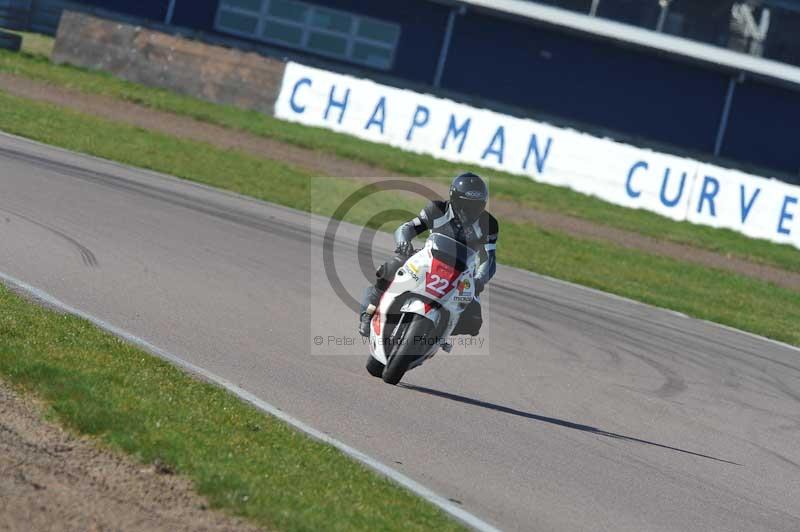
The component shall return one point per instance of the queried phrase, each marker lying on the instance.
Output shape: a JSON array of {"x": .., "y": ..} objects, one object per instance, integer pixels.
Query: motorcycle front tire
[
  {"x": 410, "y": 345},
  {"x": 374, "y": 367}
]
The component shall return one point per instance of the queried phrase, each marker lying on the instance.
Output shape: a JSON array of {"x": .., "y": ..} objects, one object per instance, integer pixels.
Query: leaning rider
[{"x": 463, "y": 218}]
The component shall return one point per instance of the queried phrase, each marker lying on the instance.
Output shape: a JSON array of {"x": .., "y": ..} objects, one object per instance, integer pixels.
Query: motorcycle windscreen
[{"x": 451, "y": 252}]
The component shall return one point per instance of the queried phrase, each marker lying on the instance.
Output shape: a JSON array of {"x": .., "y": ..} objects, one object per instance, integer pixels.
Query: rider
[{"x": 463, "y": 218}]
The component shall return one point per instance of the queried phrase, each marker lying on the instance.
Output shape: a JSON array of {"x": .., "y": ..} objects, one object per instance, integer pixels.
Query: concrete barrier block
[{"x": 214, "y": 73}]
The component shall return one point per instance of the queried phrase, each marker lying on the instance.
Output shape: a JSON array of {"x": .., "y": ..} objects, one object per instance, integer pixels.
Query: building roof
[{"x": 640, "y": 37}]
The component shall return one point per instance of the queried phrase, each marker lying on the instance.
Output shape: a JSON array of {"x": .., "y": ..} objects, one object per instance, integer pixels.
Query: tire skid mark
[
  {"x": 664, "y": 341},
  {"x": 673, "y": 385},
  {"x": 271, "y": 224},
  {"x": 87, "y": 256}
]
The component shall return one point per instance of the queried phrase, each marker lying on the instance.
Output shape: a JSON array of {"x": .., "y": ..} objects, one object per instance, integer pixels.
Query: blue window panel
[
  {"x": 238, "y": 21},
  {"x": 422, "y": 32},
  {"x": 422, "y": 25},
  {"x": 287, "y": 10}
]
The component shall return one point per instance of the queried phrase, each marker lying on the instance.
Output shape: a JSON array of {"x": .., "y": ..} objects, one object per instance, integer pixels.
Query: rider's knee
[
  {"x": 387, "y": 271},
  {"x": 470, "y": 322}
]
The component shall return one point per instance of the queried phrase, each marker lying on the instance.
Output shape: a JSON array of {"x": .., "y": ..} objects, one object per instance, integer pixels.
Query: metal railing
[{"x": 767, "y": 28}]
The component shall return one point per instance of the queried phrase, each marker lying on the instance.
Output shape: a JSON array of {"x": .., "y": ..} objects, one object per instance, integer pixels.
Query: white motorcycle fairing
[
  {"x": 437, "y": 282},
  {"x": 417, "y": 306}
]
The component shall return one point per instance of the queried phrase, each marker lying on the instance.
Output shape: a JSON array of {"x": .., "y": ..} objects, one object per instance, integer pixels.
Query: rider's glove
[
  {"x": 404, "y": 249},
  {"x": 479, "y": 285}
]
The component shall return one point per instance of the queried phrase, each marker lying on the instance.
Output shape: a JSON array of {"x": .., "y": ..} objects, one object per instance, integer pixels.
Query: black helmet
[{"x": 468, "y": 197}]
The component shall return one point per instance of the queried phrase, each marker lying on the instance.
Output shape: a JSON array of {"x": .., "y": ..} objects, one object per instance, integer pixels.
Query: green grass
[
  {"x": 509, "y": 187},
  {"x": 741, "y": 302},
  {"x": 710, "y": 294},
  {"x": 243, "y": 461},
  {"x": 245, "y": 174}
]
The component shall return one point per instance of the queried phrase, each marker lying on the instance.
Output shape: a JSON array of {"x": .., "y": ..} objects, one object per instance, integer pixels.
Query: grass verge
[
  {"x": 710, "y": 294},
  {"x": 243, "y": 461},
  {"x": 34, "y": 64}
]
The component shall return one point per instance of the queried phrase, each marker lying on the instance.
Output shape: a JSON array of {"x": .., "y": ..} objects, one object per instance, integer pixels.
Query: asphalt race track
[{"x": 581, "y": 411}]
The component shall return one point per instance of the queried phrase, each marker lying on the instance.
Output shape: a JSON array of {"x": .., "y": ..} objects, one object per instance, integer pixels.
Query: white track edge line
[{"x": 450, "y": 508}]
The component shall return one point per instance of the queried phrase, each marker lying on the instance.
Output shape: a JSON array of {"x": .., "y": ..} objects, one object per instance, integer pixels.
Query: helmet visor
[{"x": 468, "y": 210}]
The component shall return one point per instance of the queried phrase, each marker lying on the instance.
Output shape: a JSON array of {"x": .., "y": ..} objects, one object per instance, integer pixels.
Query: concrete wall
[{"x": 213, "y": 73}]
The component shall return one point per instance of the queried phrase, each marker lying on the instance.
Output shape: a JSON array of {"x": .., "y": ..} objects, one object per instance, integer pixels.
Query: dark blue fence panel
[
  {"x": 586, "y": 80},
  {"x": 150, "y": 9},
  {"x": 195, "y": 14},
  {"x": 763, "y": 127}
]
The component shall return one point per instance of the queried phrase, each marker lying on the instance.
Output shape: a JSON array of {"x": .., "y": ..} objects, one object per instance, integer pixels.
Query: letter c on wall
[
  {"x": 634, "y": 193},
  {"x": 299, "y": 109}
]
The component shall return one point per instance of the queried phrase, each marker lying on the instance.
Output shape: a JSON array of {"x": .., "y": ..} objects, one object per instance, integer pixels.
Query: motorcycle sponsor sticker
[
  {"x": 463, "y": 285},
  {"x": 474, "y": 194},
  {"x": 441, "y": 279}
]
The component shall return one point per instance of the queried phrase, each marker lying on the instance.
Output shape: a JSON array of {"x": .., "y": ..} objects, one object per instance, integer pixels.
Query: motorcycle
[{"x": 421, "y": 307}]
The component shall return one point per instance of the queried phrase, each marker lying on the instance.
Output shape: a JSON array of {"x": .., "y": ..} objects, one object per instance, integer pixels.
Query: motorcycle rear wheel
[{"x": 410, "y": 346}]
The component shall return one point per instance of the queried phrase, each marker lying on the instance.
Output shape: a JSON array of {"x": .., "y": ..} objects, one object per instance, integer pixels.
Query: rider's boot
[
  {"x": 372, "y": 295},
  {"x": 371, "y": 298}
]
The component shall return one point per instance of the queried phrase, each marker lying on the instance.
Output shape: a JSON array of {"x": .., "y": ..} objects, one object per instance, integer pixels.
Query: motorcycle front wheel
[
  {"x": 410, "y": 344},
  {"x": 374, "y": 367}
]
